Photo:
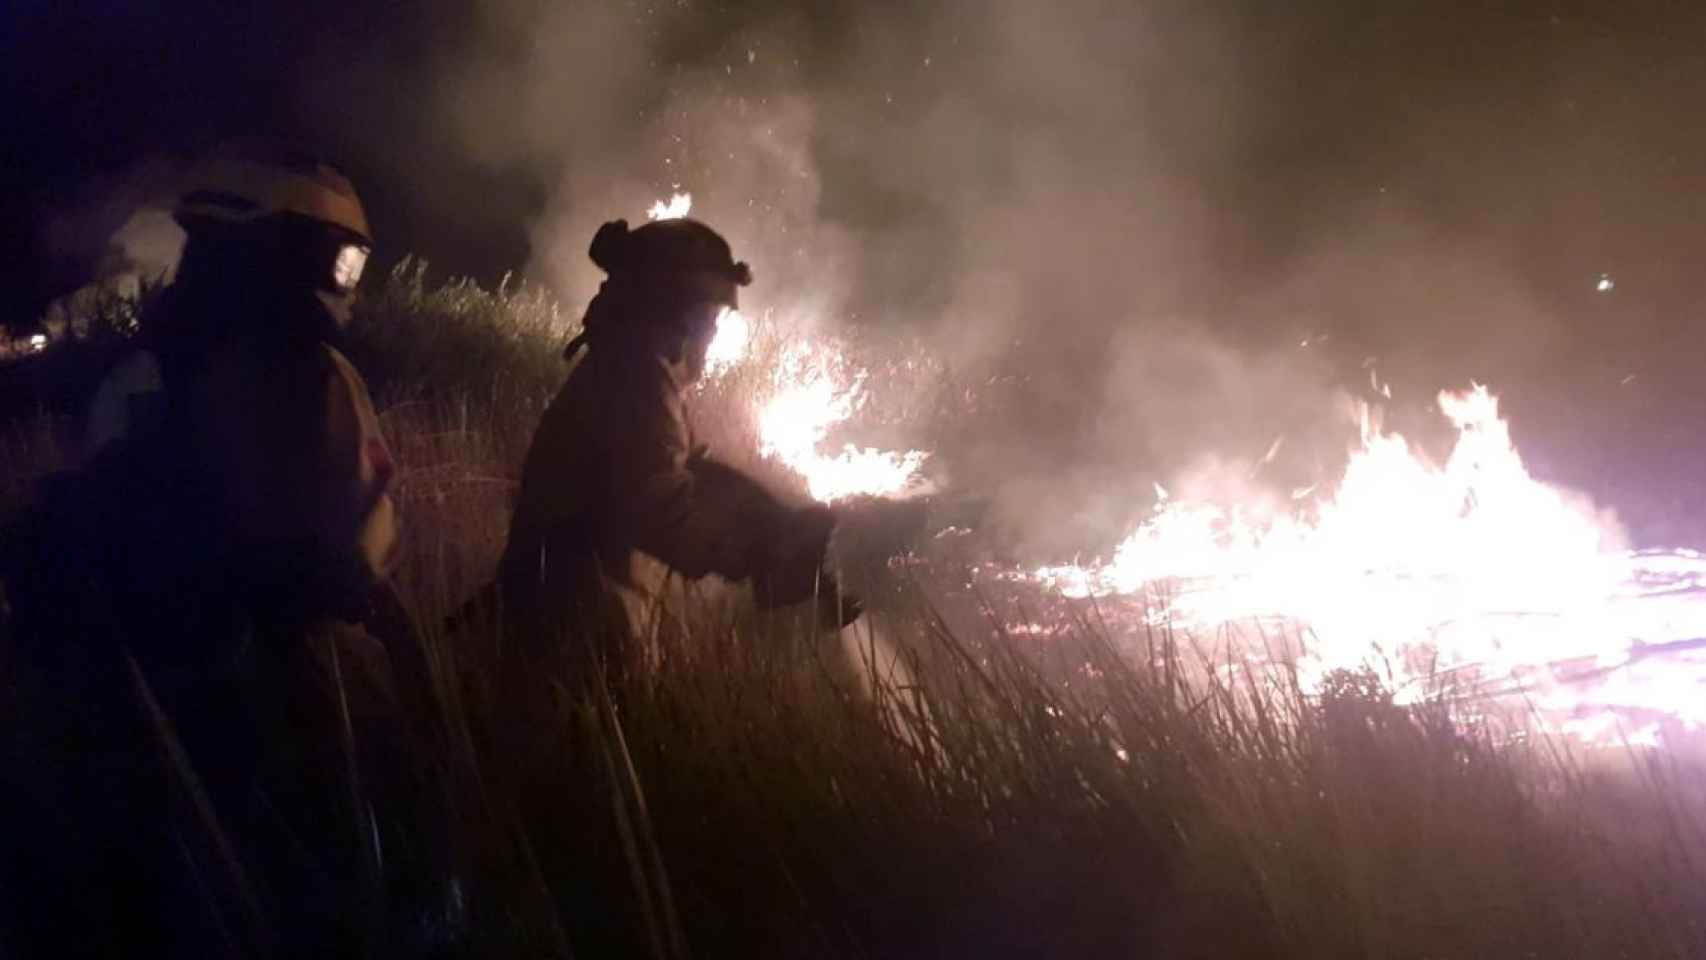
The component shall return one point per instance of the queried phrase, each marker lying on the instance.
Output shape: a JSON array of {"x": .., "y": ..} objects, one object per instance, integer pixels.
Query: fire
[
  {"x": 812, "y": 388},
  {"x": 729, "y": 344},
  {"x": 1467, "y": 574},
  {"x": 813, "y": 391},
  {"x": 677, "y": 206},
  {"x": 1425, "y": 571}
]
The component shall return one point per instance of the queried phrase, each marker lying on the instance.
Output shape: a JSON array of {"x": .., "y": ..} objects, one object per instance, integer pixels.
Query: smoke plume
[{"x": 1153, "y": 235}]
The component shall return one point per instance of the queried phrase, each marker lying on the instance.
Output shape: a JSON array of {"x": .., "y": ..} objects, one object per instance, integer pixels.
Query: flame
[
  {"x": 815, "y": 389},
  {"x": 677, "y": 206},
  {"x": 730, "y": 343},
  {"x": 1421, "y": 571},
  {"x": 812, "y": 388},
  {"x": 734, "y": 331},
  {"x": 1469, "y": 571},
  {"x": 1426, "y": 572}
]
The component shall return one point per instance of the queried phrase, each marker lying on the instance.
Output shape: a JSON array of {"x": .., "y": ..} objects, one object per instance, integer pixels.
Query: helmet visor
[{"x": 347, "y": 266}]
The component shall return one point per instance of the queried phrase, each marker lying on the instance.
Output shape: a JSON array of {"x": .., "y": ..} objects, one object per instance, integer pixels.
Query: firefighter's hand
[
  {"x": 873, "y": 529},
  {"x": 837, "y": 608},
  {"x": 794, "y": 562},
  {"x": 832, "y": 607}
]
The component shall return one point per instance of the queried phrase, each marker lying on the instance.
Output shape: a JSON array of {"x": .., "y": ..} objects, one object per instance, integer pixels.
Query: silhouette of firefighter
[
  {"x": 180, "y": 588},
  {"x": 234, "y": 476},
  {"x": 614, "y": 471}
]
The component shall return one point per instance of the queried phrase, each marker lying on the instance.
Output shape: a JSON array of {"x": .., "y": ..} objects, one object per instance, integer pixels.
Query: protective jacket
[
  {"x": 228, "y": 478},
  {"x": 613, "y": 474},
  {"x": 293, "y": 444},
  {"x": 233, "y": 506}
]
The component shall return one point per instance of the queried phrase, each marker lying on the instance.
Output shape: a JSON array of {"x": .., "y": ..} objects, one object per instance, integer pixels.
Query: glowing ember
[
  {"x": 1472, "y": 569},
  {"x": 814, "y": 391},
  {"x": 679, "y": 205}
]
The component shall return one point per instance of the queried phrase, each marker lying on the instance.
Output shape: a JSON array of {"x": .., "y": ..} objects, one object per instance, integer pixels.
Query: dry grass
[{"x": 911, "y": 789}]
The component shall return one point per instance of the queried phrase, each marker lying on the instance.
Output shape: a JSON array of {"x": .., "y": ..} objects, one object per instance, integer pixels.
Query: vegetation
[{"x": 926, "y": 785}]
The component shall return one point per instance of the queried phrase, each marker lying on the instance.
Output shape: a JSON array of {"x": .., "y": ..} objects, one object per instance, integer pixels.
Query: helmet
[
  {"x": 681, "y": 254},
  {"x": 246, "y": 182},
  {"x": 251, "y": 184}
]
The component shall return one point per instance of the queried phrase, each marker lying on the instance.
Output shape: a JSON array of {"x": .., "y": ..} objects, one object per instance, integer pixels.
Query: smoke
[
  {"x": 1084, "y": 207},
  {"x": 1001, "y": 179},
  {"x": 1152, "y": 235},
  {"x": 1149, "y": 236},
  {"x": 969, "y": 167},
  {"x": 914, "y": 163}
]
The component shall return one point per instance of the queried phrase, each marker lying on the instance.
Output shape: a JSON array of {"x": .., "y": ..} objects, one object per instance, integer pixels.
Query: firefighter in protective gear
[
  {"x": 232, "y": 507},
  {"x": 236, "y": 379},
  {"x": 613, "y": 470}
]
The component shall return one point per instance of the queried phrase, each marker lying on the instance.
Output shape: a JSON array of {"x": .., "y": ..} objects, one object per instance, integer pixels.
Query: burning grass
[{"x": 978, "y": 768}]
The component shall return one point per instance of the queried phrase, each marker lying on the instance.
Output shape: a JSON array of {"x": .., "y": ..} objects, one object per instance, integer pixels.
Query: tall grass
[{"x": 926, "y": 784}]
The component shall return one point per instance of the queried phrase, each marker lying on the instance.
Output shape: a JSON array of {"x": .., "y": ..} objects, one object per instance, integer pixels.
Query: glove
[
  {"x": 873, "y": 529},
  {"x": 833, "y": 607},
  {"x": 796, "y": 569},
  {"x": 836, "y": 608}
]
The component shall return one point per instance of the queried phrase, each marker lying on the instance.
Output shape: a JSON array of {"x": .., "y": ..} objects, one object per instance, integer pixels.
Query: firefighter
[
  {"x": 232, "y": 508},
  {"x": 613, "y": 471},
  {"x": 273, "y": 464},
  {"x": 234, "y": 479}
]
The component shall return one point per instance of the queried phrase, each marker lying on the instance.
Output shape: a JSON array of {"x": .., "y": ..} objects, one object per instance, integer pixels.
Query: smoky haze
[
  {"x": 1168, "y": 234},
  {"x": 1002, "y": 179},
  {"x": 1188, "y": 231}
]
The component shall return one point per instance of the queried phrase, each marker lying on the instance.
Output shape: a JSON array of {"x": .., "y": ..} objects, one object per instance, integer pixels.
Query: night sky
[{"x": 1159, "y": 203}]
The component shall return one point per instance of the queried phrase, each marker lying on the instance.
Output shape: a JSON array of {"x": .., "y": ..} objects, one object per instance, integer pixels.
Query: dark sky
[
  {"x": 1158, "y": 201},
  {"x": 1569, "y": 129},
  {"x": 102, "y": 88}
]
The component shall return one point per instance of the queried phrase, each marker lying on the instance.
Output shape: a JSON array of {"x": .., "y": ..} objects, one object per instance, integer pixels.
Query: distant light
[
  {"x": 1605, "y": 284},
  {"x": 38, "y": 342}
]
